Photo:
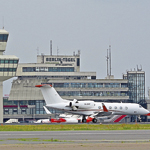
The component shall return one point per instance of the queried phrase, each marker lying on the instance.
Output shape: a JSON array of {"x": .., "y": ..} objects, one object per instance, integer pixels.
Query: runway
[{"x": 75, "y": 136}]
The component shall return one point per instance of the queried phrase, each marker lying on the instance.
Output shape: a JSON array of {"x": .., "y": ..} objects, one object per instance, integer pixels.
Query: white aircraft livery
[{"x": 89, "y": 108}]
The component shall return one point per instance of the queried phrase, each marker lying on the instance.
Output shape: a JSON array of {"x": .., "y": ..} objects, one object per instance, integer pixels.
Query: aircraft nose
[{"x": 147, "y": 113}]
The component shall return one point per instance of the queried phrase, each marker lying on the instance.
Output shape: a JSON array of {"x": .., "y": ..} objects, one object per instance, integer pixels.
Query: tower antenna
[
  {"x": 51, "y": 47},
  {"x": 107, "y": 58},
  {"x": 110, "y": 58},
  {"x": 3, "y": 22},
  {"x": 57, "y": 51}
]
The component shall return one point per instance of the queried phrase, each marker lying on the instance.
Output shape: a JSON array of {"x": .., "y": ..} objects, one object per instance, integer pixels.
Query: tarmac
[
  {"x": 73, "y": 140},
  {"x": 79, "y": 146}
]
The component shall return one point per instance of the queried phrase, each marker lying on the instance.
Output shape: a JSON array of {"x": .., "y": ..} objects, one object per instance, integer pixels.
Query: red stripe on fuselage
[
  {"x": 148, "y": 114},
  {"x": 120, "y": 118}
]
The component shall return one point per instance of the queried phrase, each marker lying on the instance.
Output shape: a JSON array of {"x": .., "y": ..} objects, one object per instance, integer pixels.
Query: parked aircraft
[
  {"x": 67, "y": 118},
  {"x": 89, "y": 108},
  {"x": 43, "y": 121},
  {"x": 12, "y": 121}
]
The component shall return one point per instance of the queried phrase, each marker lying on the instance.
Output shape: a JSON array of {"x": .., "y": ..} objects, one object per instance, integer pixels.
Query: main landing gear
[
  {"x": 94, "y": 120},
  {"x": 84, "y": 119}
]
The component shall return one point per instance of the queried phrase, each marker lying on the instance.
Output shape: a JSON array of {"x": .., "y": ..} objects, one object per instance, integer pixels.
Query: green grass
[
  {"x": 62, "y": 127},
  {"x": 36, "y": 140}
]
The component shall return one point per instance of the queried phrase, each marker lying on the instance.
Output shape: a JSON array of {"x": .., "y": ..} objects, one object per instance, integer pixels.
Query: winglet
[{"x": 104, "y": 108}]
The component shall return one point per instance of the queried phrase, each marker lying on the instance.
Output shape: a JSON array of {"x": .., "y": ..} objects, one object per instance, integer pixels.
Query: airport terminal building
[{"x": 63, "y": 73}]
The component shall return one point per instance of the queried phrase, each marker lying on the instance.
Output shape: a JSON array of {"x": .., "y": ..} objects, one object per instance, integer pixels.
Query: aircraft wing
[{"x": 105, "y": 112}]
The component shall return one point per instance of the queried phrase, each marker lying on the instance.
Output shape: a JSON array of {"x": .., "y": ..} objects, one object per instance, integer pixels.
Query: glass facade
[
  {"x": 78, "y": 85},
  {"x": 136, "y": 85},
  {"x": 78, "y": 62},
  {"x": 61, "y": 85},
  {"x": 92, "y": 93},
  {"x": 112, "y": 85},
  {"x": 95, "y": 85},
  {"x": 124, "y": 85},
  {"x": 88, "y": 85},
  {"x": 39, "y": 107},
  {"x": 11, "y": 107},
  {"x": 8, "y": 69},
  {"x": 8, "y": 61},
  {"x": 3, "y": 37}
]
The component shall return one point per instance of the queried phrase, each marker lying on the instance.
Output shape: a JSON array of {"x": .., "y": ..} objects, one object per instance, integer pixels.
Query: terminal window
[
  {"x": 3, "y": 37},
  {"x": 8, "y": 61},
  {"x": 48, "y": 69},
  {"x": 7, "y": 69}
]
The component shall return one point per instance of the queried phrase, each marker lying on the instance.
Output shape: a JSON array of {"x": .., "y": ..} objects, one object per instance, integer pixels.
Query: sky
[{"x": 86, "y": 25}]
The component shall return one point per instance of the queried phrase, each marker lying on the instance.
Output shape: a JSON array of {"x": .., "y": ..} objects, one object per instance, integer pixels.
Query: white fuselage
[{"x": 115, "y": 108}]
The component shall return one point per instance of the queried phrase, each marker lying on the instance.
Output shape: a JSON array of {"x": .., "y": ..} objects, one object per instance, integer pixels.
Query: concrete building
[{"x": 8, "y": 66}]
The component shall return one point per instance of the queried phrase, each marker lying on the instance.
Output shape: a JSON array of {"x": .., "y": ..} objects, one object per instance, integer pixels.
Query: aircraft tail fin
[{"x": 49, "y": 93}]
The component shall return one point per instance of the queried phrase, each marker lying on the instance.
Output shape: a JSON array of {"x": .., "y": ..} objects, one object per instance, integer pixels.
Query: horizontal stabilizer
[
  {"x": 44, "y": 85},
  {"x": 47, "y": 111}
]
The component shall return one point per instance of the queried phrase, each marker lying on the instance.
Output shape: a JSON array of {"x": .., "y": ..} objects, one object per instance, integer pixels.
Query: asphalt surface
[{"x": 75, "y": 136}]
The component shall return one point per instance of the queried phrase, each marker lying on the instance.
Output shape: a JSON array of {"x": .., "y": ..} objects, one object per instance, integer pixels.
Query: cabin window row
[{"x": 115, "y": 107}]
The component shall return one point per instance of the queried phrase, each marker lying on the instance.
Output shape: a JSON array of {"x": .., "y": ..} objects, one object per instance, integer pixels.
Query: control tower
[{"x": 8, "y": 66}]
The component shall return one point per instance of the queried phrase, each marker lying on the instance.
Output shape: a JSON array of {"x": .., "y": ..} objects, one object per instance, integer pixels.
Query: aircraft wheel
[
  {"x": 83, "y": 120},
  {"x": 94, "y": 120}
]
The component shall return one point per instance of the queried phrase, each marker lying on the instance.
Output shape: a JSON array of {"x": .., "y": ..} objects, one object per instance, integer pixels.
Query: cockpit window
[{"x": 140, "y": 106}]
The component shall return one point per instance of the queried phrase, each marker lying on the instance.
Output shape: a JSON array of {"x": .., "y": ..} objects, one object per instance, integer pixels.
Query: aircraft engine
[
  {"x": 73, "y": 104},
  {"x": 81, "y": 104}
]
